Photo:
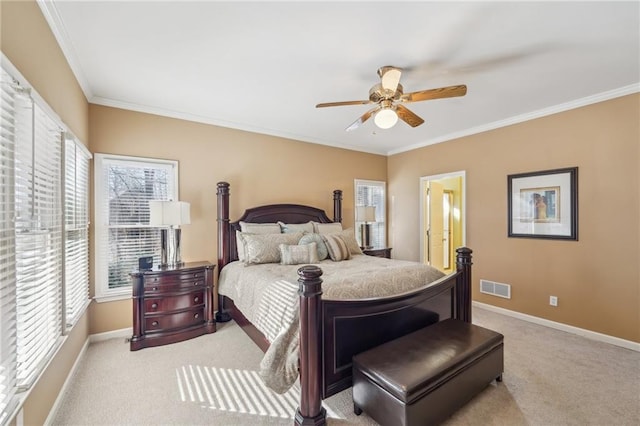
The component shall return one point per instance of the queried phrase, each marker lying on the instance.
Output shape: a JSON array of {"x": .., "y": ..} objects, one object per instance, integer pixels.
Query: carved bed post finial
[
  {"x": 463, "y": 284},
  {"x": 223, "y": 224},
  {"x": 310, "y": 411},
  {"x": 337, "y": 205}
]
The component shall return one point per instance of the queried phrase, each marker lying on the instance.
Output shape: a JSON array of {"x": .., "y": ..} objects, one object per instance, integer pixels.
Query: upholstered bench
[{"x": 424, "y": 377}]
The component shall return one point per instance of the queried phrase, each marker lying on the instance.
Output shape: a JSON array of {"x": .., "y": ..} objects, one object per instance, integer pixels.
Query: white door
[{"x": 442, "y": 228}]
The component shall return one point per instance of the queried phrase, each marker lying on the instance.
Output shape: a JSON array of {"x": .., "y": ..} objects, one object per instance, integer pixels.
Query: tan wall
[
  {"x": 261, "y": 170},
  {"x": 596, "y": 278},
  {"x": 28, "y": 43}
]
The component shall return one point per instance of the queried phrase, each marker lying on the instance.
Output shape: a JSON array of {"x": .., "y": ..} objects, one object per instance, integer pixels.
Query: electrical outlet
[{"x": 553, "y": 300}]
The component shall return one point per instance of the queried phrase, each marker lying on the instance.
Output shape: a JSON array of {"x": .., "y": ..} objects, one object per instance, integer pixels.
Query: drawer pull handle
[
  {"x": 196, "y": 315},
  {"x": 196, "y": 299},
  {"x": 155, "y": 305},
  {"x": 155, "y": 323},
  {"x": 154, "y": 288},
  {"x": 196, "y": 283}
]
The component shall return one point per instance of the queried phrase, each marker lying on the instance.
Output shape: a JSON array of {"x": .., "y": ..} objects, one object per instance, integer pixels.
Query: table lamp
[
  {"x": 169, "y": 215},
  {"x": 366, "y": 215}
]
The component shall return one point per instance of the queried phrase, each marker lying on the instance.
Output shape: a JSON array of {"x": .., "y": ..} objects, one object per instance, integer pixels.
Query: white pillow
[
  {"x": 260, "y": 228},
  {"x": 326, "y": 228},
  {"x": 295, "y": 255},
  {"x": 349, "y": 238}
]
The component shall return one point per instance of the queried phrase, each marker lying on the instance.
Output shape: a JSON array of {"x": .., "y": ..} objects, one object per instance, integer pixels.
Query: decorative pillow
[
  {"x": 240, "y": 245},
  {"x": 337, "y": 248},
  {"x": 295, "y": 255},
  {"x": 265, "y": 248},
  {"x": 296, "y": 227},
  {"x": 323, "y": 253},
  {"x": 260, "y": 228},
  {"x": 349, "y": 237},
  {"x": 327, "y": 228}
]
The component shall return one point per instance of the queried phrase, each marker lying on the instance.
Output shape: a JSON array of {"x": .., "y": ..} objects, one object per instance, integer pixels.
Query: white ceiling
[{"x": 263, "y": 66}]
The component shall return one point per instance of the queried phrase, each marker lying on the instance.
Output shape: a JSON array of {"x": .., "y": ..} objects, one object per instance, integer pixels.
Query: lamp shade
[
  {"x": 169, "y": 213},
  {"x": 365, "y": 214}
]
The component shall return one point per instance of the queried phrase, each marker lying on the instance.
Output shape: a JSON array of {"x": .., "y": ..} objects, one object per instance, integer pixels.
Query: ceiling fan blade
[
  {"x": 364, "y": 117},
  {"x": 390, "y": 77},
  {"x": 332, "y": 104},
  {"x": 408, "y": 117},
  {"x": 443, "y": 92}
]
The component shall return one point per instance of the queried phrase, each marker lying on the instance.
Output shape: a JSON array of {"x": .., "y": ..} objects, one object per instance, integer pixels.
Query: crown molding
[
  {"x": 57, "y": 27},
  {"x": 146, "y": 109},
  {"x": 578, "y": 103}
]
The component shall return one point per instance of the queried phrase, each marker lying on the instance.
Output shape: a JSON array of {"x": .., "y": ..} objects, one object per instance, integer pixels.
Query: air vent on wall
[{"x": 496, "y": 289}]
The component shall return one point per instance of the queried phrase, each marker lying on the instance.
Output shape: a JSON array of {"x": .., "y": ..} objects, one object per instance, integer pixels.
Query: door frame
[{"x": 424, "y": 180}]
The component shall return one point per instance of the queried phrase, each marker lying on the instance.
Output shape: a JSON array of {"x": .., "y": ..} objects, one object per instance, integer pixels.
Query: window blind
[
  {"x": 372, "y": 193},
  {"x": 11, "y": 100},
  {"x": 76, "y": 230},
  {"x": 124, "y": 187},
  {"x": 38, "y": 245},
  {"x": 34, "y": 218}
]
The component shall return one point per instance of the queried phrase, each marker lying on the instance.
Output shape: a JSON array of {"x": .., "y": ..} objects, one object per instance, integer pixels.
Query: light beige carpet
[{"x": 551, "y": 378}]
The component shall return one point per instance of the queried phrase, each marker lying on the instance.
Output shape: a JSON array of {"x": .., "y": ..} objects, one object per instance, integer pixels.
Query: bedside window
[
  {"x": 123, "y": 188},
  {"x": 372, "y": 193}
]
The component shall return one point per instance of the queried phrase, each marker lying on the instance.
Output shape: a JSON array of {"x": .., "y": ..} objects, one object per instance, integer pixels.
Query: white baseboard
[
  {"x": 92, "y": 338},
  {"x": 66, "y": 384},
  {"x": 628, "y": 344},
  {"x": 115, "y": 334}
]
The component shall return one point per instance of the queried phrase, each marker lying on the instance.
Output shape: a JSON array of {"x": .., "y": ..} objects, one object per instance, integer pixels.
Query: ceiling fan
[{"x": 389, "y": 97}]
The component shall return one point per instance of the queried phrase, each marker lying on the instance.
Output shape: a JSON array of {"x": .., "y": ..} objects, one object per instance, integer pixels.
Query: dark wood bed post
[
  {"x": 223, "y": 241},
  {"x": 463, "y": 284},
  {"x": 337, "y": 205},
  {"x": 310, "y": 411}
]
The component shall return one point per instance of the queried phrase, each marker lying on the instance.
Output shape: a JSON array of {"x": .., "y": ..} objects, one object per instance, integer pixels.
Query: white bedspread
[{"x": 268, "y": 296}]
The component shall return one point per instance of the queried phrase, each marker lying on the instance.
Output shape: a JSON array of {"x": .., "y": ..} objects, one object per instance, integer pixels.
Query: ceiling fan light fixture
[{"x": 386, "y": 118}]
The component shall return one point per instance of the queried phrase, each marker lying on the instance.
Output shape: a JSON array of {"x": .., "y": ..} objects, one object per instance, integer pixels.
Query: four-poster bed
[{"x": 332, "y": 331}]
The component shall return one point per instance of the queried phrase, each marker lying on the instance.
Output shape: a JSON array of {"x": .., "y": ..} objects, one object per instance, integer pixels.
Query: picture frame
[{"x": 544, "y": 204}]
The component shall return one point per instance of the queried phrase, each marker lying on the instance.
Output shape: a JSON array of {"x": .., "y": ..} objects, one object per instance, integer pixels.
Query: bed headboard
[{"x": 287, "y": 213}]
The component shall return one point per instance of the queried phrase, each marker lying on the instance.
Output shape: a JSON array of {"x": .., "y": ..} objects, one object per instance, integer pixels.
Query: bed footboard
[{"x": 332, "y": 331}]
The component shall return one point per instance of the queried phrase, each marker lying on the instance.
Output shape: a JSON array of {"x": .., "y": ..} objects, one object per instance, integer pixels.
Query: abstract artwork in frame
[{"x": 544, "y": 204}]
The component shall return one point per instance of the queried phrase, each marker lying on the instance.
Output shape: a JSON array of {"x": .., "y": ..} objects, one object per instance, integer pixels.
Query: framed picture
[{"x": 544, "y": 204}]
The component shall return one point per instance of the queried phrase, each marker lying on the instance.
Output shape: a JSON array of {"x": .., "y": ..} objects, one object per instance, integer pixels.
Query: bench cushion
[{"x": 413, "y": 365}]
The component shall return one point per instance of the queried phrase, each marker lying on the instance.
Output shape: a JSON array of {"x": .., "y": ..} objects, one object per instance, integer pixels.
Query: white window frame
[
  {"x": 102, "y": 291},
  {"x": 379, "y": 228}
]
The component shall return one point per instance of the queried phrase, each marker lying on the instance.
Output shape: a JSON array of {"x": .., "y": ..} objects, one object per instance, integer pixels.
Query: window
[
  {"x": 372, "y": 193},
  {"x": 33, "y": 177},
  {"x": 123, "y": 188},
  {"x": 38, "y": 245},
  {"x": 76, "y": 229},
  {"x": 12, "y": 100}
]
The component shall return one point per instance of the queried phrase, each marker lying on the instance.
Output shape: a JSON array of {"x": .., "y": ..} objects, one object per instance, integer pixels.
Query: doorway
[{"x": 442, "y": 219}]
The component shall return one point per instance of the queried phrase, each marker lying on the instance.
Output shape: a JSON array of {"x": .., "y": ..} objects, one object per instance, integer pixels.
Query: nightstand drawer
[
  {"x": 171, "y": 303},
  {"x": 172, "y": 282},
  {"x": 174, "y": 321}
]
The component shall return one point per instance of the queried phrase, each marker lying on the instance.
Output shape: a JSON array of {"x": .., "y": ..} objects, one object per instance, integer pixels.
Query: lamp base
[
  {"x": 170, "y": 248},
  {"x": 365, "y": 234}
]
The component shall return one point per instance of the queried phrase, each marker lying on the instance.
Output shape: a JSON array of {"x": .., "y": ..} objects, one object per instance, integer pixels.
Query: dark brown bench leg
[
  {"x": 499, "y": 378},
  {"x": 357, "y": 410}
]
